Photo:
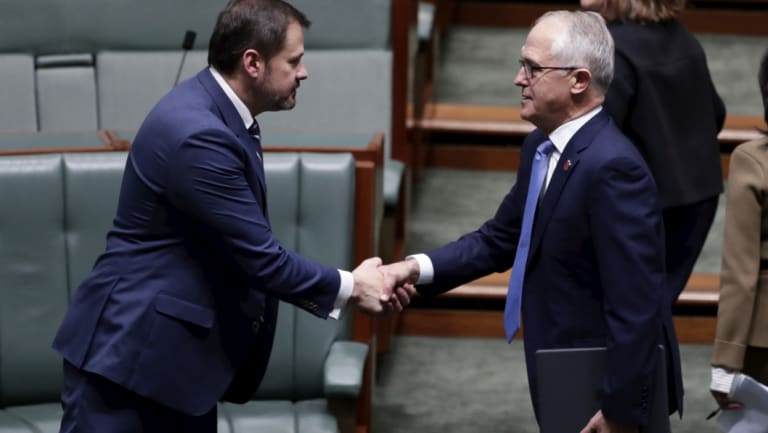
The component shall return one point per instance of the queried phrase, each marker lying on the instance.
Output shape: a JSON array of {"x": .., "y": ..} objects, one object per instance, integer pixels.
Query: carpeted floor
[{"x": 472, "y": 385}]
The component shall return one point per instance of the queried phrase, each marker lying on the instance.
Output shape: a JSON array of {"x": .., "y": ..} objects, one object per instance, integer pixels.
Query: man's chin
[
  {"x": 284, "y": 105},
  {"x": 525, "y": 114}
]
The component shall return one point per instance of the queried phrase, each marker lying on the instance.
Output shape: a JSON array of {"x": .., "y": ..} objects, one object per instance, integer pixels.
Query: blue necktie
[{"x": 515, "y": 293}]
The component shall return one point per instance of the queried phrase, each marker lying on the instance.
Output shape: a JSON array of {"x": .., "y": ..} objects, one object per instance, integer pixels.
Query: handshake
[{"x": 383, "y": 289}]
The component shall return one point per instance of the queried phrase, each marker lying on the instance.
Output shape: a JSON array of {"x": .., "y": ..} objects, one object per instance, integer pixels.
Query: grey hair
[{"x": 585, "y": 42}]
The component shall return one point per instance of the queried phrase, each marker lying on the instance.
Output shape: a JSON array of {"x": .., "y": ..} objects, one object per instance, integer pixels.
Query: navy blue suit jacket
[
  {"x": 595, "y": 272},
  {"x": 188, "y": 286}
]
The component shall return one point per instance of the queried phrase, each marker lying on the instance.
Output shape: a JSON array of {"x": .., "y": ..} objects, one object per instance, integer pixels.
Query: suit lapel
[
  {"x": 234, "y": 122},
  {"x": 566, "y": 167}
]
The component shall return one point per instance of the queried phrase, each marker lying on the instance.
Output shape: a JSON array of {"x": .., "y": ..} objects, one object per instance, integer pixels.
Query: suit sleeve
[
  {"x": 492, "y": 247},
  {"x": 628, "y": 240},
  {"x": 206, "y": 181},
  {"x": 741, "y": 259}
]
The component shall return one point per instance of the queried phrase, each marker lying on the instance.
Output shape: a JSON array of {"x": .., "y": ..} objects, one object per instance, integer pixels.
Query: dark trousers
[
  {"x": 93, "y": 404},
  {"x": 686, "y": 228}
]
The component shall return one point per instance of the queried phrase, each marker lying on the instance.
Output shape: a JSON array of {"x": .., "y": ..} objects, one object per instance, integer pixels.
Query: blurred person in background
[
  {"x": 663, "y": 98},
  {"x": 741, "y": 342}
]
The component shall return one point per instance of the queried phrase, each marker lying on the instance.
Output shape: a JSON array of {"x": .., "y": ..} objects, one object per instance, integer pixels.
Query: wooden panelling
[
  {"x": 450, "y": 323},
  {"x": 488, "y": 137},
  {"x": 474, "y": 157},
  {"x": 481, "y": 323},
  {"x": 695, "y": 329},
  {"x": 506, "y": 121},
  {"x": 402, "y": 25},
  {"x": 694, "y": 312},
  {"x": 701, "y": 289}
]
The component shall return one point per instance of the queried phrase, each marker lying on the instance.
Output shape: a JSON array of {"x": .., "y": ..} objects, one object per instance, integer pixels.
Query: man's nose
[
  {"x": 303, "y": 74},
  {"x": 520, "y": 79}
]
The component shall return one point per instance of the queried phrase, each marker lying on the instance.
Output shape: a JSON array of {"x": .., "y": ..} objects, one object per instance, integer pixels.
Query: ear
[
  {"x": 580, "y": 81},
  {"x": 253, "y": 63}
]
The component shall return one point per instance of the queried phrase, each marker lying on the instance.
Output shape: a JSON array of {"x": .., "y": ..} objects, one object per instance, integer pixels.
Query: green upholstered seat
[
  {"x": 33, "y": 277},
  {"x": 57, "y": 209},
  {"x": 92, "y": 186},
  {"x": 18, "y": 110}
]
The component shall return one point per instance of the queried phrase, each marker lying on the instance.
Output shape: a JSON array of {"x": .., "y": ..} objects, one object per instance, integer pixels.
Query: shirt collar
[
  {"x": 563, "y": 134},
  {"x": 242, "y": 110}
]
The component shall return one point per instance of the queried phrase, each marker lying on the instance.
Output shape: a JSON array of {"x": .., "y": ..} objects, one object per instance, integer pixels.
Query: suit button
[{"x": 256, "y": 325}]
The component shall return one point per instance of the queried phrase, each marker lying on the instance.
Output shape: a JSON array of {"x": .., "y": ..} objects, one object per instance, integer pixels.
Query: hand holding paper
[{"x": 753, "y": 416}]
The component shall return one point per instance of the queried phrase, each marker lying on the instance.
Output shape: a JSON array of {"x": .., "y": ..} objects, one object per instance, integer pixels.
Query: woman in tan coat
[{"x": 741, "y": 342}]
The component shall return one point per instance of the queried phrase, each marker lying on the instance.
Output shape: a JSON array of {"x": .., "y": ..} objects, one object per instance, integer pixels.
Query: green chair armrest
[
  {"x": 393, "y": 178},
  {"x": 344, "y": 369}
]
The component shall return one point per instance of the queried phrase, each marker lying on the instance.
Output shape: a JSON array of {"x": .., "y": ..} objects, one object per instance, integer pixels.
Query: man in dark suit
[
  {"x": 179, "y": 312},
  {"x": 595, "y": 254}
]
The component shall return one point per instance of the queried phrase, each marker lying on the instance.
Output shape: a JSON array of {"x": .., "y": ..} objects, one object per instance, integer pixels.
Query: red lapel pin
[{"x": 566, "y": 165}]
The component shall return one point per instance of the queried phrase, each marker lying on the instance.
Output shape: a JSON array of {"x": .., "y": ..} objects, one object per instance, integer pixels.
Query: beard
[
  {"x": 280, "y": 99},
  {"x": 285, "y": 102}
]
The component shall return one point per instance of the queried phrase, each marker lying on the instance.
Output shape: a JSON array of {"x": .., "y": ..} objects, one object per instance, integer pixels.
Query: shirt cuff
[
  {"x": 722, "y": 380},
  {"x": 426, "y": 271},
  {"x": 345, "y": 291}
]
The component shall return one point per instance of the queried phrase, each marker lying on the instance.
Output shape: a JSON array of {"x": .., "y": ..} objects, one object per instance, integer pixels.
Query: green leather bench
[
  {"x": 65, "y": 70},
  {"x": 55, "y": 213}
]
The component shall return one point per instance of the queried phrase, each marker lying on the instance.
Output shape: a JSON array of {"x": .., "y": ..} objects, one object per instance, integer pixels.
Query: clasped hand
[{"x": 380, "y": 290}]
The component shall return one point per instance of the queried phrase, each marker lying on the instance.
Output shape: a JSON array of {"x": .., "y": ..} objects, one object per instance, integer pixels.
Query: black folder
[{"x": 570, "y": 383}]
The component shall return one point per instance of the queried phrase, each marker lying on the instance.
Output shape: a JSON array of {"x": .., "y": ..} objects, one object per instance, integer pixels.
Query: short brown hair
[
  {"x": 645, "y": 11},
  {"x": 244, "y": 24}
]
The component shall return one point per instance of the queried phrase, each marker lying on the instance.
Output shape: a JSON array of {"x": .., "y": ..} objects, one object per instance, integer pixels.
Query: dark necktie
[
  {"x": 254, "y": 130},
  {"x": 255, "y": 133},
  {"x": 515, "y": 292}
]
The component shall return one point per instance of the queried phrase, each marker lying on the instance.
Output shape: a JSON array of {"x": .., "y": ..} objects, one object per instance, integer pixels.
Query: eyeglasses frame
[{"x": 529, "y": 69}]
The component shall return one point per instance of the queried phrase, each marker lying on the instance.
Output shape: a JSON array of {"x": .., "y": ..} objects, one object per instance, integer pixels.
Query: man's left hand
[{"x": 598, "y": 424}]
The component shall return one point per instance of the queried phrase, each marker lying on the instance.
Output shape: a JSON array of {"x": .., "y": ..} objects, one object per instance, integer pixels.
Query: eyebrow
[{"x": 530, "y": 62}]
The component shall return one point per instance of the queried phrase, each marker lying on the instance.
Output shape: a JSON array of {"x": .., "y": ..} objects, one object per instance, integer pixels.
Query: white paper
[{"x": 753, "y": 417}]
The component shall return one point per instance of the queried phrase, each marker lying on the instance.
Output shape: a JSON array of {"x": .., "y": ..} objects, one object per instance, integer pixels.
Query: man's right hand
[
  {"x": 372, "y": 291},
  {"x": 404, "y": 273},
  {"x": 724, "y": 401}
]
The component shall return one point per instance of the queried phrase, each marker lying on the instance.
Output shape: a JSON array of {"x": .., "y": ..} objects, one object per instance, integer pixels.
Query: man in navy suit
[
  {"x": 595, "y": 264},
  {"x": 179, "y": 312}
]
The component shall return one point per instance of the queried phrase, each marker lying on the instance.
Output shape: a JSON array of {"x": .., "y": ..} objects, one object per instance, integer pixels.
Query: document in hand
[
  {"x": 570, "y": 383},
  {"x": 753, "y": 417}
]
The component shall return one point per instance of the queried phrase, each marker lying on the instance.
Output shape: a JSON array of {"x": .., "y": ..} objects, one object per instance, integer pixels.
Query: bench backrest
[
  {"x": 79, "y": 64},
  {"x": 33, "y": 277}
]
